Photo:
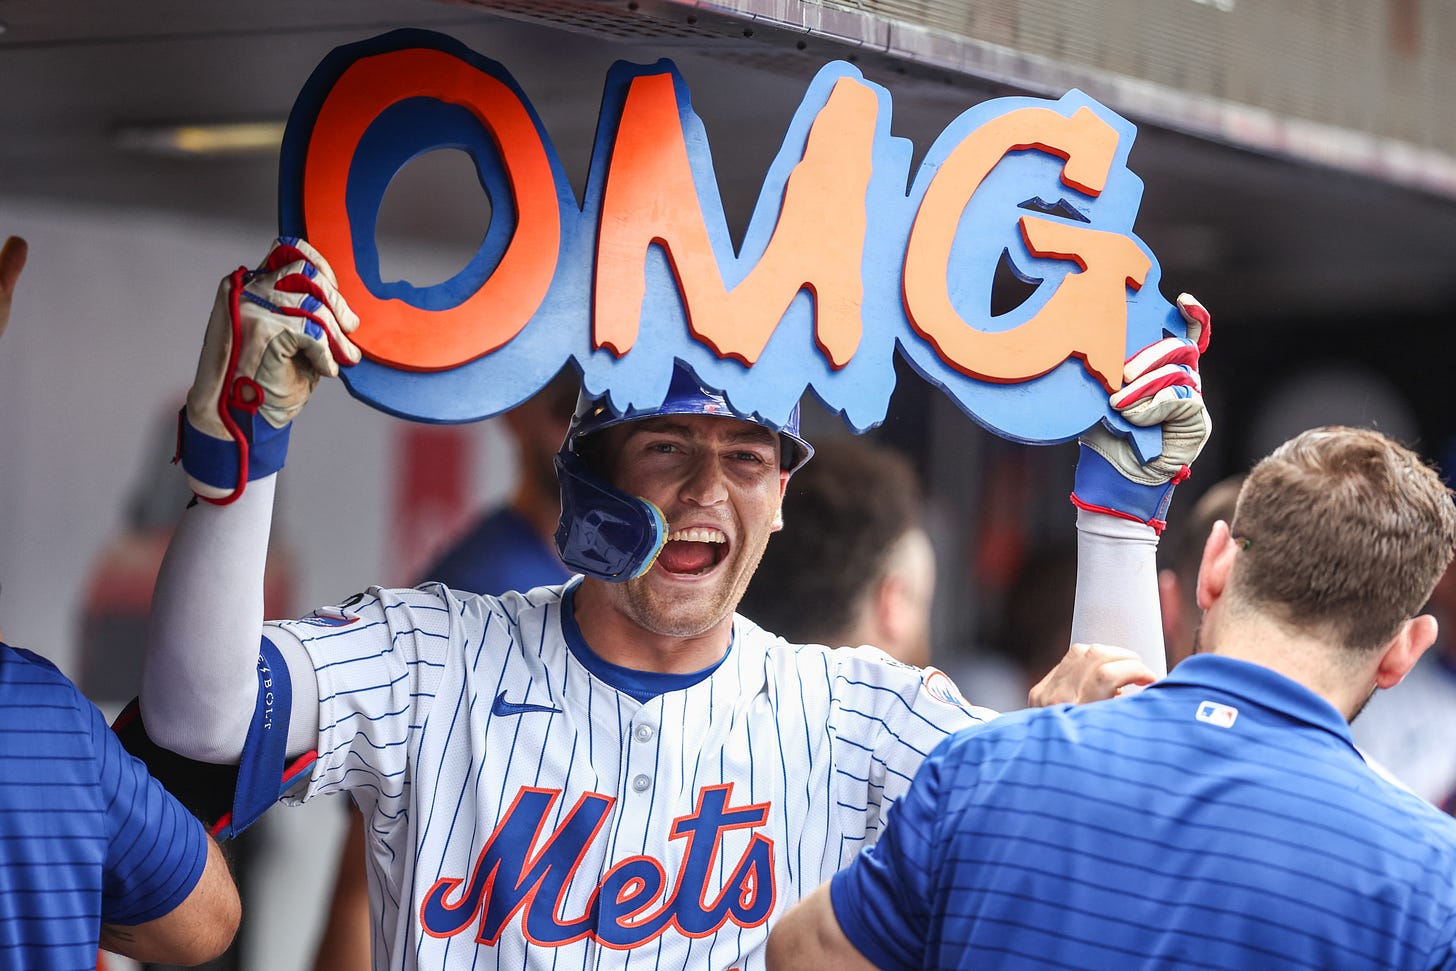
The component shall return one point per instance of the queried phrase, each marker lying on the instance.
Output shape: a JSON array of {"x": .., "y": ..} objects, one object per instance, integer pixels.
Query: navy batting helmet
[{"x": 612, "y": 535}]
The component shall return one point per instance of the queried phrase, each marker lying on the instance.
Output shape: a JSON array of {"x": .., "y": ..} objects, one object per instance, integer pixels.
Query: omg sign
[{"x": 849, "y": 258}]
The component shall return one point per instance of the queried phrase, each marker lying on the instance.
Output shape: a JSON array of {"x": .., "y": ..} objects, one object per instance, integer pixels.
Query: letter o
[{"x": 344, "y": 176}]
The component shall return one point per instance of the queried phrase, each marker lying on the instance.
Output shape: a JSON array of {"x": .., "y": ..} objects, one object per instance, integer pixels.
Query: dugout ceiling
[{"x": 1298, "y": 160}]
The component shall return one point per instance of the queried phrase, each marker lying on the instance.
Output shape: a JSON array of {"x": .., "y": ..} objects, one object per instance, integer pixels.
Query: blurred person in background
[
  {"x": 853, "y": 564},
  {"x": 1029, "y": 632},
  {"x": 1179, "y": 554}
]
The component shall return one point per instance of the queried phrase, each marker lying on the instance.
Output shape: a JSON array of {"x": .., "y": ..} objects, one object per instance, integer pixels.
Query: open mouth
[{"x": 693, "y": 551}]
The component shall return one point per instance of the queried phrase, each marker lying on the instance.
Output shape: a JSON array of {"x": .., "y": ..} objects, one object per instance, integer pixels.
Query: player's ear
[
  {"x": 778, "y": 522},
  {"x": 1218, "y": 560},
  {"x": 1404, "y": 649},
  {"x": 892, "y": 608}
]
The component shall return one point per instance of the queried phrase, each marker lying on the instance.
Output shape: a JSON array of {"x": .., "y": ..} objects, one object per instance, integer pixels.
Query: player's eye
[{"x": 752, "y": 458}]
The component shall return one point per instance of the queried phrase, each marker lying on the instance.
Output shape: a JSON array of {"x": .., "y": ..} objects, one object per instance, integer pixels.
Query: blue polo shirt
[
  {"x": 501, "y": 552},
  {"x": 1221, "y": 818},
  {"x": 86, "y": 835}
]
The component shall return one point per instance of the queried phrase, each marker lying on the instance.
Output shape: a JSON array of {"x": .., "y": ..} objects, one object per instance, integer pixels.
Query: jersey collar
[
  {"x": 1259, "y": 685},
  {"x": 642, "y": 685}
]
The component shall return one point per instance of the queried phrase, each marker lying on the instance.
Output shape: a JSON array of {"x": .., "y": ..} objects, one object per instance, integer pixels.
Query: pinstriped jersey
[
  {"x": 526, "y": 810},
  {"x": 1222, "y": 818}
]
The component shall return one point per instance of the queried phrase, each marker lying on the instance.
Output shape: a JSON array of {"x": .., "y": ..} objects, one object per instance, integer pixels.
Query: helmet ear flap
[{"x": 604, "y": 532}]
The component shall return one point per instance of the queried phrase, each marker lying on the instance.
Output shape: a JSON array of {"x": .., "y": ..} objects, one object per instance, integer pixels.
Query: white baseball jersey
[{"x": 524, "y": 811}]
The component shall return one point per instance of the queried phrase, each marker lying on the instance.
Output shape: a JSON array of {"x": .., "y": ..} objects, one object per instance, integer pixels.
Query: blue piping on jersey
[{"x": 642, "y": 685}]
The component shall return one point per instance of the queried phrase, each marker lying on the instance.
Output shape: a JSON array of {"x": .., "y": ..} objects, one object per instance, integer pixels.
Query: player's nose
[{"x": 706, "y": 483}]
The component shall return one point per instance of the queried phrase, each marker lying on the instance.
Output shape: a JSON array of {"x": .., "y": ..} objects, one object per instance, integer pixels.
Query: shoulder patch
[
  {"x": 328, "y": 617},
  {"x": 939, "y": 686}
]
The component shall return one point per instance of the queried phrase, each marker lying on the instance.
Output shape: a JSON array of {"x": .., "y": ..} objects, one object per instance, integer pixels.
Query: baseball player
[{"x": 618, "y": 770}]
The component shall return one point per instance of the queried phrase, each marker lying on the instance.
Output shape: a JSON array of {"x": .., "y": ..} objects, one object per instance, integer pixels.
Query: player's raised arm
[
  {"x": 273, "y": 332},
  {"x": 1122, "y": 503}
]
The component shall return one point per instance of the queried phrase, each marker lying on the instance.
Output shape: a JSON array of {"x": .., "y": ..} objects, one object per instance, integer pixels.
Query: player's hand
[
  {"x": 12, "y": 261},
  {"x": 273, "y": 333},
  {"x": 1091, "y": 672},
  {"x": 1161, "y": 386}
]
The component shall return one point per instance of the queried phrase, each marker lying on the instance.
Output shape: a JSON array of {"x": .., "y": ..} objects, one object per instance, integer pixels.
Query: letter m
[
  {"x": 650, "y": 197},
  {"x": 510, "y": 869}
]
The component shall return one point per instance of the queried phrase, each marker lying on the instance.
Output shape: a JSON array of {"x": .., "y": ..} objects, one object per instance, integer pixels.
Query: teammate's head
[
  {"x": 536, "y": 426},
  {"x": 854, "y": 565},
  {"x": 1341, "y": 533},
  {"x": 612, "y": 533}
]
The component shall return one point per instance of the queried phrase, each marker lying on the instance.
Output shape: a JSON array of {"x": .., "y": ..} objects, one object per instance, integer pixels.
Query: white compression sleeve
[
  {"x": 1117, "y": 587},
  {"x": 199, "y": 678}
]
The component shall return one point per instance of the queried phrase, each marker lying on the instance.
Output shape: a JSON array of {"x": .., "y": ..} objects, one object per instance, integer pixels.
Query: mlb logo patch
[{"x": 1214, "y": 713}]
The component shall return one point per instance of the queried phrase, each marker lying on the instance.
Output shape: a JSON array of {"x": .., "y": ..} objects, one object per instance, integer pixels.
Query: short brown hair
[
  {"x": 1345, "y": 534},
  {"x": 843, "y": 513}
]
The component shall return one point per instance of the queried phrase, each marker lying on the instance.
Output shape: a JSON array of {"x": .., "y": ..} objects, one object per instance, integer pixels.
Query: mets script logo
[{"x": 525, "y": 869}]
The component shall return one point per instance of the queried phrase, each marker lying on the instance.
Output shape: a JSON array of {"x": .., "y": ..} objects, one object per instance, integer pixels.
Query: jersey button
[
  {"x": 644, "y": 733},
  {"x": 641, "y": 783}
]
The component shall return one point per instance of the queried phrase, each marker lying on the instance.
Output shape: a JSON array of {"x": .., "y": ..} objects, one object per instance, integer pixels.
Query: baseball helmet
[{"x": 610, "y": 534}]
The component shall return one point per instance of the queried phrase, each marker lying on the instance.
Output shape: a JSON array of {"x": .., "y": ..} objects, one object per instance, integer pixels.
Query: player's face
[{"x": 718, "y": 483}]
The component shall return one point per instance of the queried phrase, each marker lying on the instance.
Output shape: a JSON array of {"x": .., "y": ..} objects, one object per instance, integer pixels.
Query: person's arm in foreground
[
  {"x": 197, "y": 930},
  {"x": 809, "y": 937},
  {"x": 273, "y": 332},
  {"x": 1122, "y": 503},
  {"x": 167, "y": 895}
]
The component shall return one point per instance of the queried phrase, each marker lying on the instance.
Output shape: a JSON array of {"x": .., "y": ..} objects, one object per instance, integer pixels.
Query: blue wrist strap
[
  {"x": 215, "y": 460},
  {"x": 263, "y": 775},
  {"x": 1099, "y": 487}
]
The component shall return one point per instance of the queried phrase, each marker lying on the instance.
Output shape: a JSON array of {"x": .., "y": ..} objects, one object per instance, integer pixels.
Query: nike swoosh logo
[{"x": 502, "y": 707}]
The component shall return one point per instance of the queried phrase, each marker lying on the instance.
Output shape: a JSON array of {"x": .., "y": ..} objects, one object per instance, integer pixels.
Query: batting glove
[
  {"x": 273, "y": 332},
  {"x": 1160, "y": 387}
]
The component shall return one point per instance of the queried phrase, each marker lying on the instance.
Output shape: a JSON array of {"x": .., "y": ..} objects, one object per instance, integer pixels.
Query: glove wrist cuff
[
  {"x": 219, "y": 468},
  {"x": 1100, "y": 487}
]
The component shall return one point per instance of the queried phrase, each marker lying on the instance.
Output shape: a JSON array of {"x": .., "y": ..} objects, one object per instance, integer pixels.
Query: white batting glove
[
  {"x": 273, "y": 332},
  {"x": 1161, "y": 386}
]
